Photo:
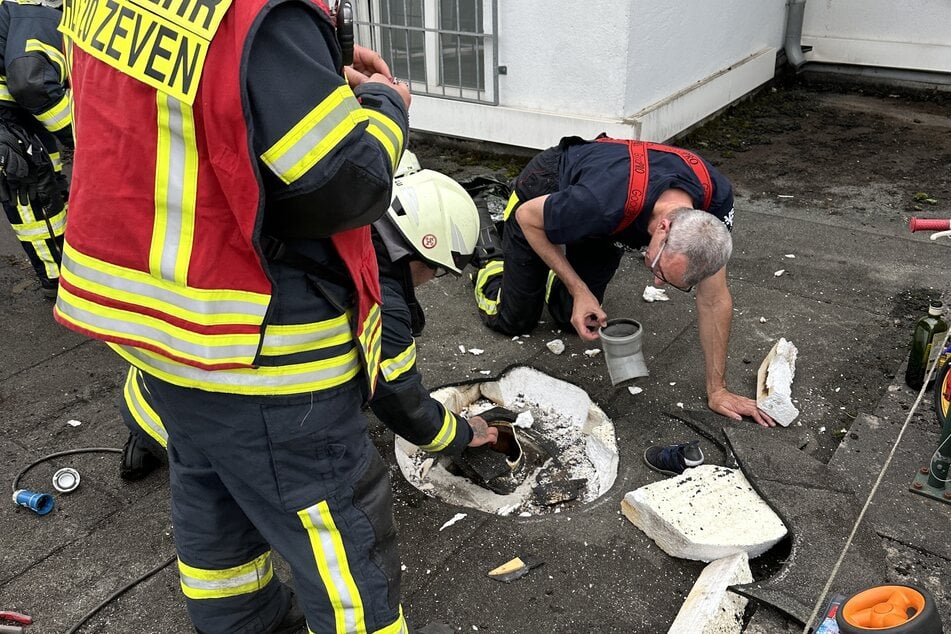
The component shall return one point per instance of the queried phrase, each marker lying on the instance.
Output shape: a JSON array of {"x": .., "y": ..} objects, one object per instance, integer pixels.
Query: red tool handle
[
  {"x": 929, "y": 224},
  {"x": 16, "y": 617}
]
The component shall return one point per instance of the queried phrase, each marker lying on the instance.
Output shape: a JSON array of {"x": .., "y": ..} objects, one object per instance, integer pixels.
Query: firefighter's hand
[
  {"x": 368, "y": 62},
  {"x": 482, "y": 433},
  {"x": 587, "y": 316},
  {"x": 400, "y": 87}
]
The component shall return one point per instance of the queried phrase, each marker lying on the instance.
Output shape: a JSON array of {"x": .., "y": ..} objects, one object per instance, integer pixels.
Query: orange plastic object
[{"x": 883, "y": 607}]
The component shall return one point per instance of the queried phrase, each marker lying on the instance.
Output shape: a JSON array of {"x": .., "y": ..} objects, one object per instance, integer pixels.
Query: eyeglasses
[{"x": 659, "y": 274}]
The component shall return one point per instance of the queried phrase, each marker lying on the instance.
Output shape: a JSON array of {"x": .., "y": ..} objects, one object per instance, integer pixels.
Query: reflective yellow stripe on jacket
[
  {"x": 399, "y": 365},
  {"x": 371, "y": 341},
  {"x": 447, "y": 433}
]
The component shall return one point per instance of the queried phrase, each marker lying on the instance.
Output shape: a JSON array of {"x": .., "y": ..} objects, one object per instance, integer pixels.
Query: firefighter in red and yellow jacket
[{"x": 225, "y": 176}]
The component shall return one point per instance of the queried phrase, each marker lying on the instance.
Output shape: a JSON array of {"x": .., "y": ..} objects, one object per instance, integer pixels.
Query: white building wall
[
  {"x": 650, "y": 70},
  {"x": 905, "y": 34}
]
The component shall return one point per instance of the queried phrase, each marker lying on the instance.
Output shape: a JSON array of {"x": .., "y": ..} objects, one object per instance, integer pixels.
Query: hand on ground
[{"x": 736, "y": 407}]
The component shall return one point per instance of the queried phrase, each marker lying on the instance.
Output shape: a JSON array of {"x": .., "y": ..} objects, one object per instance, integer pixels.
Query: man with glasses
[{"x": 572, "y": 208}]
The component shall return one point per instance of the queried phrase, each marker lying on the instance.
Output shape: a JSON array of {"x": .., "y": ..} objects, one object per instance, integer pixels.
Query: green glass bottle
[{"x": 925, "y": 345}]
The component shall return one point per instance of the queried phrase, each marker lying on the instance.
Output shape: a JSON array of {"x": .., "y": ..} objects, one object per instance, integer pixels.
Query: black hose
[{"x": 16, "y": 479}]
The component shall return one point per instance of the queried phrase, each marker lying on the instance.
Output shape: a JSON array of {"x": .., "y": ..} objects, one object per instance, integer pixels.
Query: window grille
[{"x": 443, "y": 48}]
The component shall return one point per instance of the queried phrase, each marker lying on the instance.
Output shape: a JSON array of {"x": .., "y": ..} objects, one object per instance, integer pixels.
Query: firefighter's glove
[{"x": 15, "y": 166}]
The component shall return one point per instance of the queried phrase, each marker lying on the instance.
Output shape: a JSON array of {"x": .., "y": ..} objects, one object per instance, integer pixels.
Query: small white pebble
[
  {"x": 762, "y": 320},
  {"x": 837, "y": 389},
  {"x": 680, "y": 404},
  {"x": 894, "y": 388},
  {"x": 790, "y": 255},
  {"x": 462, "y": 348},
  {"x": 779, "y": 272},
  {"x": 557, "y": 346},
  {"x": 476, "y": 351},
  {"x": 403, "y": 567},
  {"x": 485, "y": 372},
  {"x": 524, "y": 420},
  {"x": 593, "y": 352},
  {"x": 73, "y": 422},
  {"x": 673, "y": 382},
  {"x": 654, "y": 294},
  {"x": 515, "y": 338},
  {"x": 822, "y": 429},
  {"x": 634, "y": 389}
]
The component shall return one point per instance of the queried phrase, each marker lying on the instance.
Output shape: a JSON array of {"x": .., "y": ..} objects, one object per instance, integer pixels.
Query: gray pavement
[{"x": 846, "y": 301}]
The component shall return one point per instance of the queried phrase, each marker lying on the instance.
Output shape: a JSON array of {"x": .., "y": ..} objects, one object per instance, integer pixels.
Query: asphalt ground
[{"x": 846, "y": 300}]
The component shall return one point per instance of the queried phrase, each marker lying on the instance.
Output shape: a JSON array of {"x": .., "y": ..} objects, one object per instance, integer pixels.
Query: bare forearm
[{"x": 714, "y": 318}]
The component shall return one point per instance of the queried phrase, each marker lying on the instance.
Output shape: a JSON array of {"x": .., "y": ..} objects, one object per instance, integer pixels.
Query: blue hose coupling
[{"x": 40, "y": 503}]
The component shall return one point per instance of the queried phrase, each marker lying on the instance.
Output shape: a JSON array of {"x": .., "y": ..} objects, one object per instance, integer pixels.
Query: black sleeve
[
  {"x": 327, "y": 159},
  {"x": 401, "y": 400}
]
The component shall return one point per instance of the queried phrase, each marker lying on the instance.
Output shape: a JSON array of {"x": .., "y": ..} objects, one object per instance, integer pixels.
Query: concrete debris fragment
[
  {"x": 680, "y": 404},
  {"x": 455, "y": 518},
  {"x": 557, "y": 346},
  {"x": 476, "y": 351},
  {"x": 779, "y": 272},
  {"x": 485, "y": 372},
  {"x": 593, "y": 352},
  {"x": 514, "y": 569},
  {"x": 654, "y": 294},
  {"x": 790, "y": 255},
  {"x": 524, "y": 420},
  {"x": 425, "y": 467},
  {"x": 762, "y": 320},
  {"x": 462, "y": 348},
  {"x": 559, "y": 491},
  {"x": 774, "y": 383},
  {"x": 707, "y": 513},
  {"x": 711, "y": 608},
  {"x": 73, "y": 423},
  {"x": 634, "y": 389}
]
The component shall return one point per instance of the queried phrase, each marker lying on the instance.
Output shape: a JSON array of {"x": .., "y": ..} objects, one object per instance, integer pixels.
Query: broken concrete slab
[
  {"x": 711, "y": 608},
  {"x": 706, "y": 513},
  {"x": 774, "y": 383},
  {"x": 819, "y": 507}
]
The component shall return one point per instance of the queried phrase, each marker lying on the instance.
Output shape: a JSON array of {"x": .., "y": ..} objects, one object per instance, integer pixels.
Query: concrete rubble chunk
[
  {"x": 711, "y": 608},
  {"x": 707, "y": 513},
  {"x": 774, "y": 383}
]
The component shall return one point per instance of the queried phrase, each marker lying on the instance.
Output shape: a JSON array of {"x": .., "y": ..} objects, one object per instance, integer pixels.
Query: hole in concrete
[{"x": 566, "y": 452}]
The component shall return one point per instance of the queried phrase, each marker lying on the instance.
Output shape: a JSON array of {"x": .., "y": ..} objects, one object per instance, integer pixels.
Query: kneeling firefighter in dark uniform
[
  {"x": 572, "y": 208},
  {"x": 35, "y": 121}
]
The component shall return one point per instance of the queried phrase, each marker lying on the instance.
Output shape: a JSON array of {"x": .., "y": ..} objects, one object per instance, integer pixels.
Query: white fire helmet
[{"x": 437, "y": 218}]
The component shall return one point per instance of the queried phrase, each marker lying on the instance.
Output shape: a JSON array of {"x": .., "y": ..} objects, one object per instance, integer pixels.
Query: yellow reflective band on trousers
[
  {"x": 334, "y": 568},
  {"x": 398, "y": 626},
  {"x": 290, "y": 339},
  {"x": 176, "y": 186},
  {"x": 145, "y": 417},
  {"x": 371, "y": 342},
  {"x": 261, "y": 381},
  {"x": 52, "y": 53},
  {"x": 488, "y": 305},
  {"x": 200, "y": 583},
  {"x": 447, "y": 433},
  {"x": 5, "y": 92},
  {"x": 34, "y": 233},
  {"x": 400, "y": 364},
  {"x": 387, "y": 133},
  {"x": 551, "y": 281},
  {"x": 314, "y": 136},
  {"x": 57, "y": 160},
  {"x": 58, "y": 116},
  {"x": 513, "y": 202},
  {"x": 38, "y": 229}
]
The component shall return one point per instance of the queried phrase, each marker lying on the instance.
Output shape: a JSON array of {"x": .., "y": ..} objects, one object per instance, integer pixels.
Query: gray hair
[{"x": 703, "y": 238}]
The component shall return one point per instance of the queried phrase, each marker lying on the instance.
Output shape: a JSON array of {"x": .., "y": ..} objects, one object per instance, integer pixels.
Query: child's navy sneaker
[{"x": 674, "y": 459}]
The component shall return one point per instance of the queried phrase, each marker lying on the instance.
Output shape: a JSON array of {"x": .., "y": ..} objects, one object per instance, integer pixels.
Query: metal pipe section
[{"x": 795, "y": 10}]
